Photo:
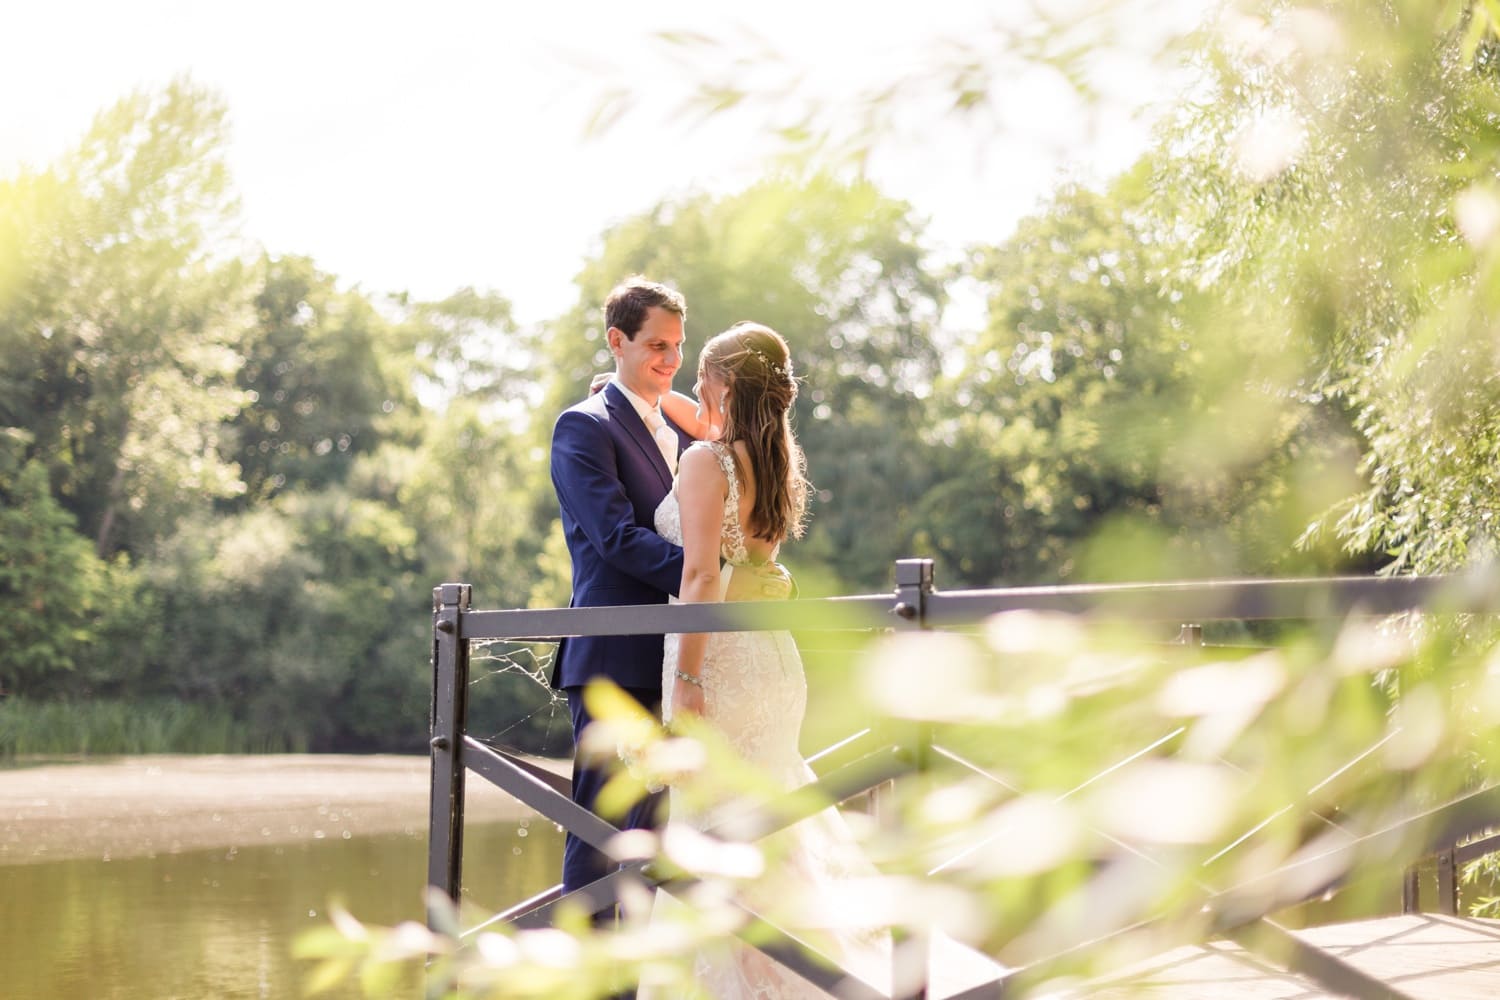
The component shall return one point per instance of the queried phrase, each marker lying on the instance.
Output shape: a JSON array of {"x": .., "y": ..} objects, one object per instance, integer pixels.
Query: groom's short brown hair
[{"x": 626, "y": 307}]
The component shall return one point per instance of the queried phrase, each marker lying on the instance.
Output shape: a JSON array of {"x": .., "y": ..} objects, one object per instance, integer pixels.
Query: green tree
[
  {"x": 472, "y": 486},
  {"x": 1336, "y": 187},
  {"x": 303, "y": 616},
  {"x": 118, "y": 322},
  {"x": 59, "y": 603},
  {"x": 316, "y": 379},
  {"x": 1103, "y": 407},
  {"x": 466, "y": 345}
]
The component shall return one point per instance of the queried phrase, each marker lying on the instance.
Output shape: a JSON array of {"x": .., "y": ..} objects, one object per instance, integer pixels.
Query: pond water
[{"x": 220, "y": 924}]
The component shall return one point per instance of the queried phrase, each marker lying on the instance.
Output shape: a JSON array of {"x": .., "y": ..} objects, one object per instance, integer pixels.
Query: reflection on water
[{"x": 209, "y": 924}]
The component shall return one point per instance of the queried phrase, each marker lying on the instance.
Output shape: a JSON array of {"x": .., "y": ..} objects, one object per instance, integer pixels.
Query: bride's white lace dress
[{"x": 755, "y": 693}]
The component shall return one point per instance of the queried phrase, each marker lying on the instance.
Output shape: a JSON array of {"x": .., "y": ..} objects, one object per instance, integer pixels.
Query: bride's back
[{"x": 759, "y": 549}]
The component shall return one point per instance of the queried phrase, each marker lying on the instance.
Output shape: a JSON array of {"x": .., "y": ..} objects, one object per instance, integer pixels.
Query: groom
[{"x": 610, "y": 471}]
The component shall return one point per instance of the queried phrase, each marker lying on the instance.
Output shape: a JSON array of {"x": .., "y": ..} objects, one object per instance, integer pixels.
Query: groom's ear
[{"x": 613, "y": 336}]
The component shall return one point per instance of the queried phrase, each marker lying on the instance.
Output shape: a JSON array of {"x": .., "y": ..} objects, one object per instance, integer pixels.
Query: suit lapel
[{"x": 621, "y": 411}]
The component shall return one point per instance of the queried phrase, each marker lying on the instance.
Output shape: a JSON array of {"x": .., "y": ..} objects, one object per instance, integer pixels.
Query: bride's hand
[
  {"x": 687, "y": 699},
  {"x": 764, "y": 582},
  {"x": 599, "y": 381}
]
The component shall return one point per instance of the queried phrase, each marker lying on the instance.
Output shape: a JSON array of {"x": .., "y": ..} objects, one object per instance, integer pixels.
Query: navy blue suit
[{"x": 610, "y": 476}]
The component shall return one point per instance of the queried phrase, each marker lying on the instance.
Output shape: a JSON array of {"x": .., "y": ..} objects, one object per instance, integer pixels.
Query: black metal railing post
[
  {"x": 911, "y": 952},
  {"x": 913, "y": 586},
  {"x": 913, "y": 589},
  {"x": 1447, "y": 883},
  {"x": 447, "y": 721},
  {"x": 1411, "y": 892}
]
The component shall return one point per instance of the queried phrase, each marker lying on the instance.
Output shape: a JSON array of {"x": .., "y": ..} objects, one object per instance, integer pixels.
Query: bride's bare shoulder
[{"x": 700, "y": 459}]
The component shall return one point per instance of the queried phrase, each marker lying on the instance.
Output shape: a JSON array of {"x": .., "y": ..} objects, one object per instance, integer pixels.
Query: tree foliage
[
  {"x": 118, "y": 322},
  {"x": 1334, "y": 185},
  {"x": 314, "y": 369},
  {"x": 1109, "y": 423},
  {"x": 208, "y": 461},
  {"x": 62, "y": 608}
]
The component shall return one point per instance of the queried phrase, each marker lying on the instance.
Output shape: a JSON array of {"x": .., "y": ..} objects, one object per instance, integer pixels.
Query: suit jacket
[{"x": 610, "y": 476}]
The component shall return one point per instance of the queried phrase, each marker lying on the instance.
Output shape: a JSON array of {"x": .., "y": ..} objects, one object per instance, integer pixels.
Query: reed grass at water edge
[{"x": 108, "y": 727}]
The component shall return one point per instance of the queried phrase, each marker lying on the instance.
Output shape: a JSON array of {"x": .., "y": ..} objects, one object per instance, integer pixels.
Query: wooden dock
[{"x": 1421, "y": 955}]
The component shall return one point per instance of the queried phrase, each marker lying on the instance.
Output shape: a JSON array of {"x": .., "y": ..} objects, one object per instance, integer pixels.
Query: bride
[{"x": 736, "y": 499}]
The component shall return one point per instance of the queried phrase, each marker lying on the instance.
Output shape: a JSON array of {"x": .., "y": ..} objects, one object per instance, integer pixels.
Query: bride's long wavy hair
[{"x": 753, "y": 361}]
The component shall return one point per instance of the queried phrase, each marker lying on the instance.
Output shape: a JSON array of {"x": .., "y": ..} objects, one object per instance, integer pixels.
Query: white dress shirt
[{"x": 666, "y": 437}]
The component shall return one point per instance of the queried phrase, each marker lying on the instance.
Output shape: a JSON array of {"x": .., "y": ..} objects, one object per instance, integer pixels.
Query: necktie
[{"x": 666, "y": 438}]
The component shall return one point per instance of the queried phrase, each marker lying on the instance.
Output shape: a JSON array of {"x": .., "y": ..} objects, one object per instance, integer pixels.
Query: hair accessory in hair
[{"x": 775, "y": 367}]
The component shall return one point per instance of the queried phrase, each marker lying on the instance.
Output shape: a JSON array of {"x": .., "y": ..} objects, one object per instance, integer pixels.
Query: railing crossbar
[
  {"x": 799, "y": 956},
  {"x": 846, "y": 782},
  {"x": 1276, "y": 944},
  {"x": 549, "y": 895},
  {"x": 1440, "y": 826},
  {"x": 1212, "y": 600},
  {"x": 840, "y": 752},
  {"x": 536, "y": 793},
  {"x": 1474, "y": 850},
  {"x": 1363, "y": 755},
  {"x": 980, "y": 845},
  {"x": 1194, "y": 600},
  {"x": 827, "y": 614},
  {"x": 599, "y": 894},
  {"x": 559, "y": 783}
]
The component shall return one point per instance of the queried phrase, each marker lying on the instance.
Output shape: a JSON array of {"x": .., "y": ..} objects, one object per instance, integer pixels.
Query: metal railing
[{"x": 866, "y": 760}]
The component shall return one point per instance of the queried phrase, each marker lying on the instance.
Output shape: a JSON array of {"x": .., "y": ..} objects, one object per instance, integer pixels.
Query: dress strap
[
  {"x": 733, "y": 545},
  {"x": 726, "y": 463}
]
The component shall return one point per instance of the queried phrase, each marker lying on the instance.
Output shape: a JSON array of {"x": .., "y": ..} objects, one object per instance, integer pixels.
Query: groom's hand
[{"x": 764, "y": 582}]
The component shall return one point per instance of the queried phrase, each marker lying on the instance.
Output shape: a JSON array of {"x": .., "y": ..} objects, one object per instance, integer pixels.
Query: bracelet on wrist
[{"x": 692, "y": 679}]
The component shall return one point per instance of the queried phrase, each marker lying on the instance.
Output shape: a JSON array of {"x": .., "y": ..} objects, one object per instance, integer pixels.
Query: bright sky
[{"x": 428, "y": 146}]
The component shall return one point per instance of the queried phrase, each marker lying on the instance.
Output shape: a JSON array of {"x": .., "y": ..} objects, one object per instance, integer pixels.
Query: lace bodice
[{"x": 732, "y": 539}]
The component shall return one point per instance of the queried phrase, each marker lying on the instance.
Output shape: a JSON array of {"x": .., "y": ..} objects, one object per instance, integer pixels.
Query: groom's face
[{"x": 647, "y": 363}]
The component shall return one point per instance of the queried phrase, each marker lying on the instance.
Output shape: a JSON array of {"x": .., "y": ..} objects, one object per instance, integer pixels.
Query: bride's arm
[
  {"x": 683, "y": 410},
  {"x": 701, "y": 488}
]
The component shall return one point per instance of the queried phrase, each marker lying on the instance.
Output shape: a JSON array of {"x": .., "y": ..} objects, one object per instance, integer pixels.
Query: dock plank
[{"x": 1425, "y": 956}]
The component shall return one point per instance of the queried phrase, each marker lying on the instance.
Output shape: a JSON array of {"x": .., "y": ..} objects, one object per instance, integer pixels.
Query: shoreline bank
[{"x": 169, "y": 803}]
